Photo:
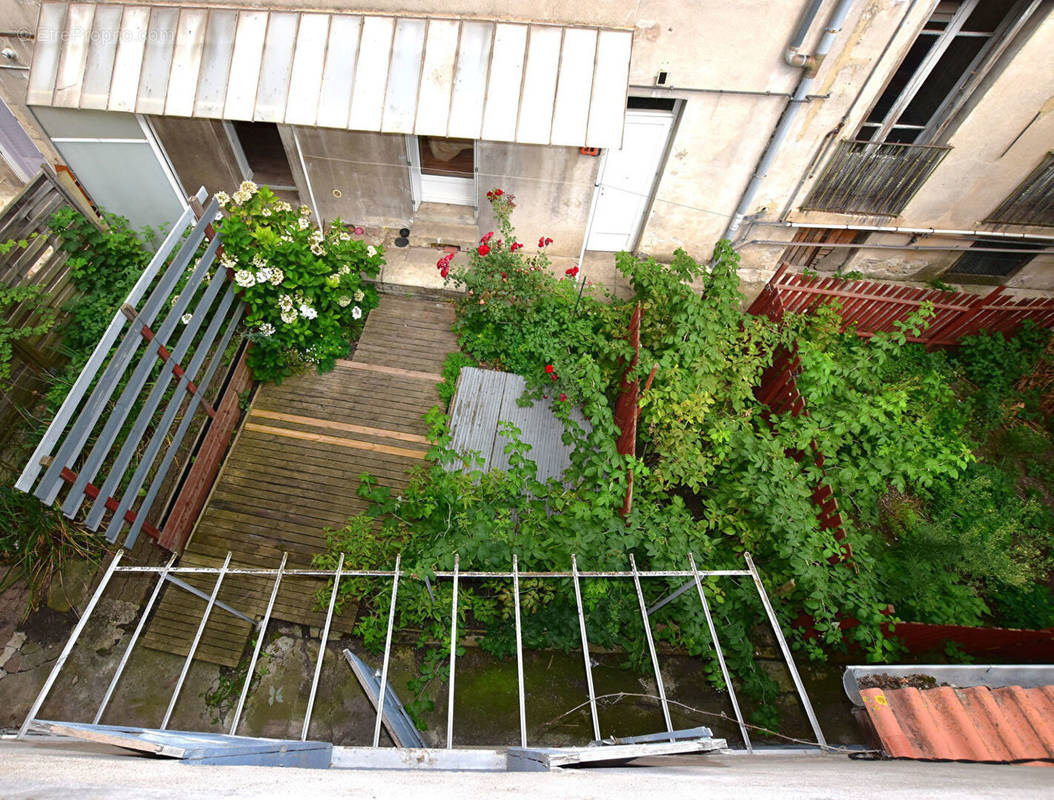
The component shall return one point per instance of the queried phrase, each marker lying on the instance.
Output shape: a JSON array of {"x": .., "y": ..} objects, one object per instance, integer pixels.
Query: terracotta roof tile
[{"x": 1008, "y": 724}]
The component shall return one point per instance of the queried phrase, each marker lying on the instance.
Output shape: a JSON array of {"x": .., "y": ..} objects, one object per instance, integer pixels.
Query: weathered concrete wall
[
  {"x": 725, "y": 61},
  {"x": 368, "y": 170},
  {"x": 200, "y": 152},
  {"x": 553, "y": 188}
]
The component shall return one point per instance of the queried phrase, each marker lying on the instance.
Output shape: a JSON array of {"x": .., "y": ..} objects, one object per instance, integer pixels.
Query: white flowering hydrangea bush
[{"x": 304, "y": 290}]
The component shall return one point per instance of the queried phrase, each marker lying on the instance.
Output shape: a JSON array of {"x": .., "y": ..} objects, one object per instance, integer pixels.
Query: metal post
[
  {"x": 322, "y": 649},
  {"x": 186, "y": 587},
  {"x": 585, "y": 649},
  {"x": 786, "y": 652},
  {"x": 453, "y": 656},
  {"x": 131, "y": 642},
  {"x": 259, "y": 646},
  {"x": 720, "y": 656},
  {"x": 53, "y": 676},
  {"x": 651, "y": 646},
  {"x": 387, "y": 654},
  {"x": 194, "y": 644},
  {"x": 519, "y": 650}
]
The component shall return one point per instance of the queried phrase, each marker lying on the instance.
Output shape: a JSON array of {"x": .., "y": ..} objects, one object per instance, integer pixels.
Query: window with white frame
[{"x": 950, "y": 58}]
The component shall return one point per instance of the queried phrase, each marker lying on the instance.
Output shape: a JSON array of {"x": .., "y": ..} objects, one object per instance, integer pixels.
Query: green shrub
[{"x": 304, "y": 288}]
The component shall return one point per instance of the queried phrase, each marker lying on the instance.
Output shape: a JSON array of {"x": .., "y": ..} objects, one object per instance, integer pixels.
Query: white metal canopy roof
[{"x": 458, "y": 78}]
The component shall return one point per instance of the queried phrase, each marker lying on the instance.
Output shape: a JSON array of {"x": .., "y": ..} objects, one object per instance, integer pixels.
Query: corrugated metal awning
[{"x": 469, "y": 79}]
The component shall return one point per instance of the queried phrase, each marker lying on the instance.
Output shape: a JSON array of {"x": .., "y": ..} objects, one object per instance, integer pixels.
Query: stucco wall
[
  {"x": 553, "y": 188},
  {"x": 368, "y": 170},
  {"x": 725, "y": 61}
]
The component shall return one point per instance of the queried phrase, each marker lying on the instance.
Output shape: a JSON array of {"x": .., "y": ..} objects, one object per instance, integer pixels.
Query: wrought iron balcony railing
[
  {"x": 873, "y": 177},
  {"x": 1032, "y": 203}
]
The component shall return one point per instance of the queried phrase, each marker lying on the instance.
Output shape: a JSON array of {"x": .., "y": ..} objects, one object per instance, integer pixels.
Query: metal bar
[
  {"x": 61, "y": 660},
  {"x": 258, "y": 646},
  {"x": 387, "y": 654},
  {"x": 585, "y": 650},
  {"x": 48, "y": 488},
  {"x": 671, "y": 597},
  {"x": 651, "y": 646},
  {"x": 184, "y": 425},
  {"x": 194, "y": 644},
  {"x": 786, "y": 652},
  {"x": 381, "y": 573},
  {"x": 186, "y": 587},
  {"x": 131, "y": 642},
  {"x": 453, "y": 656},
  {"x": 322, "y": 649},
  {"x": 519, "y": 651},
  {"x": 102, "y": 349},
  {"x": 161, "y": 429},
  {"x": 883, "y": 246},
  {"x": 117, "y": 416},
  {"x": 721, "y": 657}
]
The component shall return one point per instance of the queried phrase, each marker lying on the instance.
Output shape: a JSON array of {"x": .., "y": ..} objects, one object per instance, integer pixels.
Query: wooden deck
[{"x": 294, "y": 470}]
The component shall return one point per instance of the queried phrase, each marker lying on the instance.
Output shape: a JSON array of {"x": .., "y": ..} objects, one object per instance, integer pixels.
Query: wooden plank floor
[{"x": 294, "y": 471}]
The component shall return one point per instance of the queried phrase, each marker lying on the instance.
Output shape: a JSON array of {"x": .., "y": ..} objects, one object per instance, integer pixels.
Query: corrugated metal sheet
[
  {"x": 486, "y": 397},
  {"x": 472, "y": 79},
  {"x": 1006, "y": 724}
]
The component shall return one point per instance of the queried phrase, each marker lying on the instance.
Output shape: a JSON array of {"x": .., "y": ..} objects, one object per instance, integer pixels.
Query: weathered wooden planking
[{"x": 295, "y": 470}]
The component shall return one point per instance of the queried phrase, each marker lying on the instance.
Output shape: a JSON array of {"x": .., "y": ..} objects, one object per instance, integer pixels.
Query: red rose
[
  {"x": 515, "y": 246},
  {"x": 444, "y": 271},
  {"x": 486, "y": 237},
  {"x": 503, "y": 276},
  {"x": 483, "y": 249},
  {"x": 563, "y": 398},
  {"x": 544, "y": 240},
  {"x": 572, "y": 272},
  {"x": 553, "y": 376},
  {"x": 548, "y": 369},
  {"x": 498, "y": 192}
]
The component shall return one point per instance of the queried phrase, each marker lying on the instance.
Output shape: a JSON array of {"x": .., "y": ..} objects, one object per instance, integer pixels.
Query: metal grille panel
[
  {"x": 873, "y": 177},
  {"x": 1033, "y": 201}
]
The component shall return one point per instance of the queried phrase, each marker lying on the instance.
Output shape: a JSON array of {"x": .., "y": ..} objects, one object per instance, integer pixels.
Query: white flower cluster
[
  {"x": 186, "y": 318},
  {"x": 307, "y": 312},
  {"x": 359, "y": 296},
  {"x": 263, "y": 275},
  {"x": 371, "y": 251},
  {"x": 277, "y": 276},
  {"x": 305, "y": 211},
  {"x": 282, "y": 205},
  {"x": 344, "y": 270},
  {"x": 356, "y": 313},
  {"x": 223, "y": 198},
  {"x": 266, "y": 211},
  {"x": 244, "y": 278},
  {"x": 266, "y": 329},
  {"x": 344, "y": 301},
  {"x": 304, "y": 223},
  {"x": 230, "y": 262},
  {"x": 344, "y": 236},
  {"x": 259, "y": 261}
]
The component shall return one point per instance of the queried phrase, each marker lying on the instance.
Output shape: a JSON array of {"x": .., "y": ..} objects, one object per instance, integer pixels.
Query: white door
[
  {"x": 627, "y": 180},
  {"x": 442, "y": 170}
]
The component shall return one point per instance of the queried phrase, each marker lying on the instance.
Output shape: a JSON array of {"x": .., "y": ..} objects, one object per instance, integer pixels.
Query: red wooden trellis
[
  {"x": 870, "y": 307},
  {"x": 874, "y": 306}
]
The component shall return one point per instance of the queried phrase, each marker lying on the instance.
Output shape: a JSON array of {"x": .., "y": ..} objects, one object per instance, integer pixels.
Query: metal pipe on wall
[
  {"x": 790, "y": 112},
  {"x": 883, "y": 246},
  {"x": 972, "y": 234}
]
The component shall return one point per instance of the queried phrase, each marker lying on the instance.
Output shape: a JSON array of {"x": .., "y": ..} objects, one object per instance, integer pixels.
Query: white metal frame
[
  {"x": 418, "y": 180},
  {"x": 693, "y": 574}
]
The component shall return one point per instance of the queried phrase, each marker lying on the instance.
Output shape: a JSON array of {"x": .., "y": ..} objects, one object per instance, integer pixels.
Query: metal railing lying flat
[
  {"x": 873, "y": 177},
  {"x": 457, "y": 577}
]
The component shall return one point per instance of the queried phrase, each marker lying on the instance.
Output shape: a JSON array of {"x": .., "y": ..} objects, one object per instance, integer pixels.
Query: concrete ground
[{"x": 56, "y": 771}]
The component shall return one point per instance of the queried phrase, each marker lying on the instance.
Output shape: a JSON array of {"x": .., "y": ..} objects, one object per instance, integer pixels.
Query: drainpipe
[{"x": 810, "y": 64}]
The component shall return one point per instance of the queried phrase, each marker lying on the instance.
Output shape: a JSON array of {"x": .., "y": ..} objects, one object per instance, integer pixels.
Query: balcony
[
  {"x": 1032, "y": 203},
  {"x": 873, "y": 178}
]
